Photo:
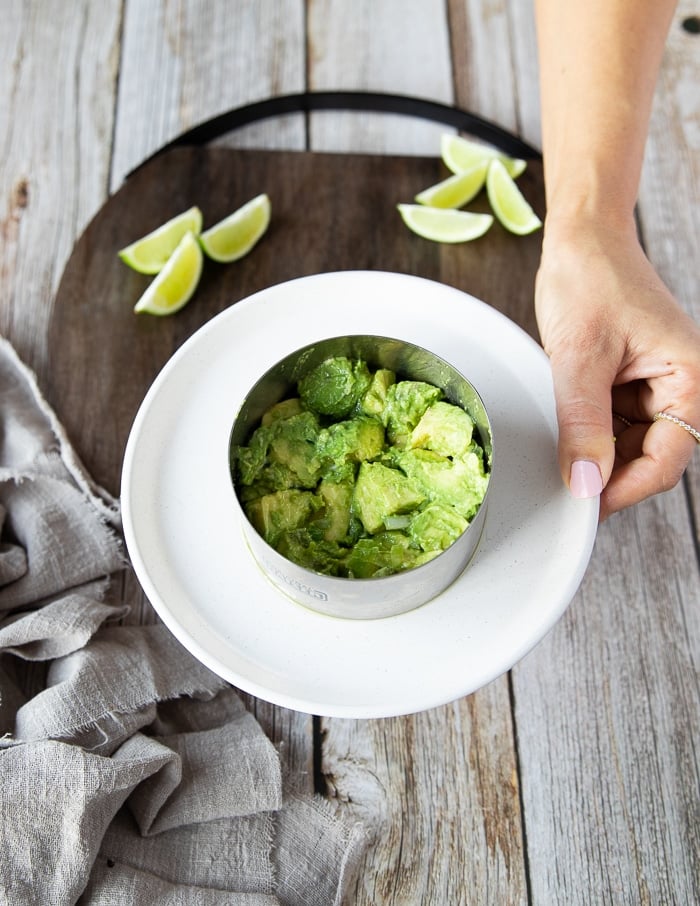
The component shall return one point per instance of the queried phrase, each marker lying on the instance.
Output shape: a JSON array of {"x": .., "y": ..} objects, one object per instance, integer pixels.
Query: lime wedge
[
  {"x": 462, "y": 154},
  {"x": 149, "y": 254},
  {"x": 444, "y": 224},
  {"x": 235, "y": 235},
  {"x": 508, "y": 203},
  {"x": 456, "y": 190},
  {"x": 177, "y": 281}
]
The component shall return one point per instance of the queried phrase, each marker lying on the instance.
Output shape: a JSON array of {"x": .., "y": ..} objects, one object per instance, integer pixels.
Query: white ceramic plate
[{"x": 187, "y": 547}]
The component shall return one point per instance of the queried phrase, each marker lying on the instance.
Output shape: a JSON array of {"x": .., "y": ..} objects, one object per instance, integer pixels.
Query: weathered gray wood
[
  {"x": 58, "y": 73},
  {"x": 598, "y": 848},
  {"x": 185, "y": 62},
  {"x": 669, "y": 201},
  {"x": 607, "y": 711},
  {"x": 393, "y": 46},
  {"x": 442, "y": 788},
  {"x": 606, "y": 708},
  {"x": 670, "y": 194},
  {"x": 482, "y": 51},
  {"x": 523, "y": 42}
]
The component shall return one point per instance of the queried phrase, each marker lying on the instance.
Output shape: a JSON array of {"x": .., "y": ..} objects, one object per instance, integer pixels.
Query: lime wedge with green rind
[
  {"x": 173, "y": 287},
  {"x": 459, "y": 154},
  {"x": 444, "y": 224},
  {"x": 235, "y": 235},
  {"x": 456, "y": 190},
  {"x": 149, "y": 254},
  {"x": 508, "y": 203}
]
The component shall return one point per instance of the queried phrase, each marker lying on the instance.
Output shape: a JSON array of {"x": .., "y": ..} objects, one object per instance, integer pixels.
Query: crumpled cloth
[{"x": 134, "y": 775}]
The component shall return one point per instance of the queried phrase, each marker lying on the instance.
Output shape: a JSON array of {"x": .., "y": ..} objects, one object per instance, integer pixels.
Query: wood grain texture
[
  {"x": 399, "y": 46},
  {"x": 482, "y": 45},
  {"x": 602, "y": 718},
  {"x": 623, "y": 704},
  {"x": 442, "y": 789},
  {"x": 669, "y": 199},
  {"x": 58, "y": 75},
  {"x": 357, "y": 229},
  {"x": 607, "y": 707},
  {"x": 185, "y": 61},
  {"x": 607, "y": 711}
]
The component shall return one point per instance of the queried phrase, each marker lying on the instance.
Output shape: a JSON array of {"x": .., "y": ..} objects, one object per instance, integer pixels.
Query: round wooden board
[{"x": 329, "y": 212}]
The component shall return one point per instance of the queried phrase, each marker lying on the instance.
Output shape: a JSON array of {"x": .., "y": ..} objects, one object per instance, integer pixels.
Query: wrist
[
  {"x": 591, "y": 197},
  {"x": 598, "y": 191},
  {"x": 573, "y": 223}
]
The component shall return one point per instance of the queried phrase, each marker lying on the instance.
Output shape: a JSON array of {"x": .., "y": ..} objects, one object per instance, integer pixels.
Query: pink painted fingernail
[{"x": 586, "y": 480}]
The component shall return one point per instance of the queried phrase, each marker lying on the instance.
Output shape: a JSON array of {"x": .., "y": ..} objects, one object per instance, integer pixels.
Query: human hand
[{"x": 619, "y": 345}]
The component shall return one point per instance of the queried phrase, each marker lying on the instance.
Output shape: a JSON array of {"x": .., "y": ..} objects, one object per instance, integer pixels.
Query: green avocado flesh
[{"x": 361, "y": 474}]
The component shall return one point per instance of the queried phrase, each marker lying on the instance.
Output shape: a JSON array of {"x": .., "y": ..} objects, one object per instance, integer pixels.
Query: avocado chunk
[
  {"x": 436, "y": 527},
  {"x": 273, "y": 477},
  {"x": 302, "y": 548},
  {"x": 352, "y": 441},
  {"x": 383, "y": 555},
  {"x": 274, "y": 514},
  {"x": 459, "y": 483},
  {"x": 293, "y": 444},
  {"x": 284, "y": 409},
  {"x": 445, "y": 429},
  {"x": 381, "y": 492},
  {"x": 247, "y": 462},
  {"x": 290, "y": 442},
  {"x": 335, "y": 386},
  {"x": 406, "y": 402},
  {"x": 333, "y": 522},
  {"x": 374, "y": 400}
]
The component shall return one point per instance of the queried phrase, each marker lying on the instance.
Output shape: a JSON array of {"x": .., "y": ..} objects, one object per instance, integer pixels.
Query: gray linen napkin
[{"x": 133, "y": 774}]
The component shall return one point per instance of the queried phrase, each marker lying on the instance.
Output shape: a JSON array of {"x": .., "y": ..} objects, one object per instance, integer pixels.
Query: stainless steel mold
[{"x": 375, "y": 597}]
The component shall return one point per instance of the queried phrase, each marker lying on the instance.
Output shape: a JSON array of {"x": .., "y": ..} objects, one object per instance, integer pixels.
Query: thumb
[{"x": 582, "y": 389}]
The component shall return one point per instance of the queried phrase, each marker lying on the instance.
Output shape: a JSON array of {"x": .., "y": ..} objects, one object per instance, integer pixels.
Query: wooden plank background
[{"x": 573, "y": 779}]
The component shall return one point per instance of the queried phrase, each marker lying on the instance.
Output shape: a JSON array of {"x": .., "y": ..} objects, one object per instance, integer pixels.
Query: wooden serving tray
[{"x": 330, "y": 212}]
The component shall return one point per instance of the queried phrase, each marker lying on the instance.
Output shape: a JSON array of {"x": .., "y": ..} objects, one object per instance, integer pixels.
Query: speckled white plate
[{"x": 188, "y": 550}]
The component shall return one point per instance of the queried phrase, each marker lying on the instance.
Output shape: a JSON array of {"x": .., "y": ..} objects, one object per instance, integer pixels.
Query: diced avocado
[
  {"x": 381, "y": 492},
  {"x": 289, "y": 441},
  {"x": 294, "y": 446},
  {"x": 358, "y": 475},
  {"x": 335, "y": 386},
  {"x": 280, "y": 512},
  {"x": 274, "y": 477},
  {"x": 460, "y": 483},
  {"x": 354, "y": 440},
  {"x": 339, "y": 471},
  {"x": 443, "y": 428},
  {"x": 383, "y": 555},
  {"x": 374, "y": 400},
  {"x": 436, "y": 527},
  {"x": 333, "y": 521},
  {"x": 406, "y": 402},
  {"x": 249, "y": 460},
  {"x": 300, "y": 547},
  {"x": 284, "y": 409}
]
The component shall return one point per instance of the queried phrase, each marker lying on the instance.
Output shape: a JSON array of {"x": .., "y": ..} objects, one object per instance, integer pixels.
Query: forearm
[{"x": 599, "y": 62}]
